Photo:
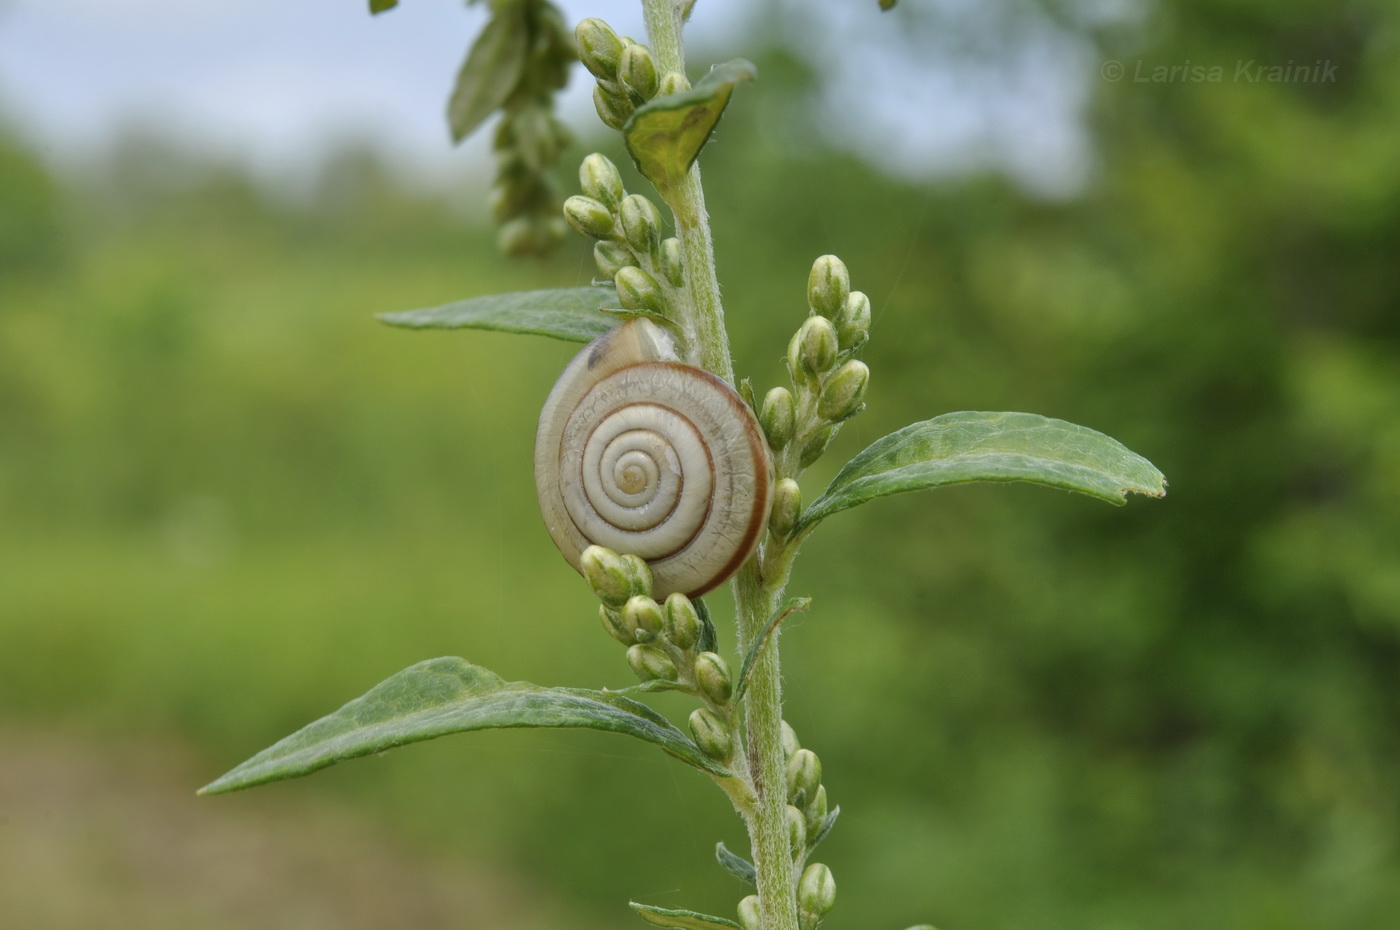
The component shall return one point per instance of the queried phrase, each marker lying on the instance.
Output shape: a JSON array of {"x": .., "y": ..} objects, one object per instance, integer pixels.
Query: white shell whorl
[{"x": 643, "y": 454}]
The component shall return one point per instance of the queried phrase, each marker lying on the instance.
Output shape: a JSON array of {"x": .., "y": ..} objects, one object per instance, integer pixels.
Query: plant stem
[
  {"x": 703, "y": 322},
  {"x": 755, "y": 597}
]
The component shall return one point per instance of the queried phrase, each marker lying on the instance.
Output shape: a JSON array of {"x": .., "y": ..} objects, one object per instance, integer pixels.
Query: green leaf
[
  {"x": 709, "y": 636},
  {"x": 681, "y": 920},
  {"x": 756, "y": 647},
  {"x": 493, "y": 68},
  {"x": 665, "y": 135},
  {"x": 449, "y": 695},
  {"x": 569, "y": 313},
  {"x": 737, "y": 866},
  {"x": 379, "y": 6},
  {"x": 971, "y": 446},
  {"x": 815, "y": 840}
]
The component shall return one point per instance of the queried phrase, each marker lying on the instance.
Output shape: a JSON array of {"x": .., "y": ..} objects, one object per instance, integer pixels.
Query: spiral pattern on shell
[{"x": 643, "y": 454}]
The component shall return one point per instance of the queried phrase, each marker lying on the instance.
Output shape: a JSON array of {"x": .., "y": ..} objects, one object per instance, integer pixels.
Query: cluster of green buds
[
  {"x": 626, "y": 72},
  {"x": 530, "y": 138},
  {"x": 629, "y": 250},
  {"x": 668, "y": 643},
  {"x": 808, "y": 821},
  {"x": 828, "y": 383}
]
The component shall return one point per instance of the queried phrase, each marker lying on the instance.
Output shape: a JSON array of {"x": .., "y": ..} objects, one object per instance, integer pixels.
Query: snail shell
[{"x": 643, "y": 454}]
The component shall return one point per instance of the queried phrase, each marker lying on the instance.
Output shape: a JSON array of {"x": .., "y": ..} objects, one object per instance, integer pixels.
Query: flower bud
[
  {"x": 599, "y": 48},
  {"x": 816, "y": 811},
  {"x": 841, "y": 397},
  {"x": 637, "y": 290},
  {"x": 797, "y": 830},
  {"x": 828, "y": 286},
  {"x": 612, "y": 257},
  {"x": 682, "y": 621},
  {"x": 589, "y": 217},
  {"x": 712, "y": 676},
  {"x": 638, "y": 574},
  {"x": 651, "y": 663},
  {"x": 641, "y": 616},
  {"x": 816, "y": 445},
  {"x": 789, "y": 737},
  {"x": 778, "y": 417},
  {"x": 612, "y": 622},
  {"x": 750, "y": 917},
  {"x": 641, "y": 224},
  {"x": 710, "y": 733},
  {"x": 672, "y": 265},
  {"x": 816, "y": 345},
  {"x": 598, "y": 177},
  {"x": 614, "y": 112},
  {"x": 672, "y": 82},
  {"x": 804, "y": 775},
  {"x": 816, "y": 891},
  {"x": 637, "y": 70},
  {"x": 787, "y": 507},
  {"x": 853, "y": 322},
  {"x": 607, "y": 574}
]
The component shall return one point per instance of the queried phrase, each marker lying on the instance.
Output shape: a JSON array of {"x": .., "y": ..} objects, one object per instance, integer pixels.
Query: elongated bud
[
  {"x": 613, "y": 111},
  {"x": 804, "y": 774},
  {"x": 641, "y": 224},
  {"x": 816, "y": 891},
  {"x": 842, "y": 395},
  {"x": 787, "y": 507},
  {"x": 797, "y": 829},
  {"x": 672, "y": 265},
  {"x": 672, "y": 82},
  {"x": 607, "y": 574},
  {"x": 828, "y": 286},
  {"x": 817, "y": 345},
  {"x": 682, "y": 621},
  {"x": 710, "y": 733},
  {"x": 789, "y": 737},
  {"x": 712, "y": 675},
  {"x": 816, "y": 445},
  {"x": 638, "y": 574},
  {"x": 641, "y": 616},
  {"x": 612, "y": 622},
  {"x": 637, "y": 70},
  {"x": 637, "y": 290},
  {"x": 853, "y": 322},
  {"x": 589, "y": 217},
  {"x": 750, "y": 917},
  {"x": 816, "y": 811},
  {"x": 778, "y": 417},
  {"x": 599, "y": 48},
  {"x": 651, "y": 663},
  {"x": 612, "y": 257},
  {"x": 598, "y": 177}
]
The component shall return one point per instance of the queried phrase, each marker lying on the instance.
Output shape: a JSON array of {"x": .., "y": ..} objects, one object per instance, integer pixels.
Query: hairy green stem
[
  {"x": 755, "y": 596},
  {"x": 703, "y": 318}
]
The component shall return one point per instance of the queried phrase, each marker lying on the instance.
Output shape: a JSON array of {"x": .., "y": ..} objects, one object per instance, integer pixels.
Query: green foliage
[
  {"x": 957, "y": 448},
  {"x": 665, "y": 135},
  {"x": 493, "y": 68},
  {"x": 448, "y": 695},
  {"x": 682, "y": 920},
  {"x": 568, "y": 313}
]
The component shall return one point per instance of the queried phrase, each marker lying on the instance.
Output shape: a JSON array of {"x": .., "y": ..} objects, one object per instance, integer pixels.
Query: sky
[{"x": 275, "y": 84}]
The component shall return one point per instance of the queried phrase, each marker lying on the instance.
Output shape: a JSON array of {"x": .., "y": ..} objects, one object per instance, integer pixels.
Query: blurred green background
[{"x": 230, "y": 501}]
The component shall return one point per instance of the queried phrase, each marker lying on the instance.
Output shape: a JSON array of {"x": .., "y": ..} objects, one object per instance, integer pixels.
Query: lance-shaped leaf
[
  {"x": 449, "y": 695},
  {"x": 379, "y": 6},
  {"x": 665, "y": 135},
  {"x": 573, "y": 314},
  {"x": 681, "y": 920},
  {"x": 971, "y": 446},
  {"x": 492, "y": 70},
  {"x": 737, "y": 866}
]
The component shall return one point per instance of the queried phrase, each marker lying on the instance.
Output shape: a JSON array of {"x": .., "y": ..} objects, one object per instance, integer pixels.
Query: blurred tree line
[{"x": 229, "y": 501}]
